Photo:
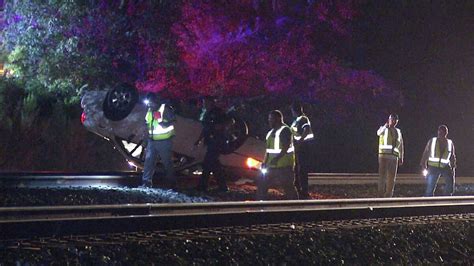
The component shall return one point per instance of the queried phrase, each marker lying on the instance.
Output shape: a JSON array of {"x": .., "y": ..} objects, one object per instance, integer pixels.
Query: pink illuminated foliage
[
  {"x": 250, "y": 48},
  {"x": 187, "y": 48}
]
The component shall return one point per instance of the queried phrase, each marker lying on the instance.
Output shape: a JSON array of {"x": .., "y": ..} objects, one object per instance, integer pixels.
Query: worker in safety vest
[
  {"x": 277, "y": 166},
  {"x": 391, "y": 153},
  {"x": 439, "y": 159},
  {"x": 303, "y": 142},
  {"x": 159, "y": 121}
]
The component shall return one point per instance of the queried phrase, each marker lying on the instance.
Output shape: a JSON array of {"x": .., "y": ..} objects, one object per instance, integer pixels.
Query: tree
[
  {"x": 223, "y": 48},
  {"x": 65, "y": 45},
  {"x": 250, "y": 48}
]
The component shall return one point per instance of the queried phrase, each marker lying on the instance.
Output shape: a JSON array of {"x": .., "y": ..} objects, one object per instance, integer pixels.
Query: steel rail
[
  {"x": 26, "y": 222},
  {"x": 47, "y": 179},
  {"x": 372, "y": 178}
]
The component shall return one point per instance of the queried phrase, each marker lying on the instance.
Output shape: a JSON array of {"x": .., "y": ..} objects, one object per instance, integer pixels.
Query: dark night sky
[
  {"x": 425, "y": 48},
  {"x": 420, "y": 44}
]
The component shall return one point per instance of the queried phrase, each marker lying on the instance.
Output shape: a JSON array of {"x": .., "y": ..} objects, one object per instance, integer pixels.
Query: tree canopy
[{"x": 222, "y": 48}]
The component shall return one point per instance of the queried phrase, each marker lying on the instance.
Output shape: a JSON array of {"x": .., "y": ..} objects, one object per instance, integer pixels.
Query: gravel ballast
[
  {"x": 448, "y": 242},
  {"x": 439, "y": 242},
  {"x": 115, "y": 195}
]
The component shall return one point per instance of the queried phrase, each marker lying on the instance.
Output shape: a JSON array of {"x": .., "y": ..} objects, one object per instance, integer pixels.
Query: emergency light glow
[
  {"x": 252, "y": 163},
  {"x": 425, "y": 172},
  {"x": 83, "y": 117},
  {"x": 146, "y": 102}
]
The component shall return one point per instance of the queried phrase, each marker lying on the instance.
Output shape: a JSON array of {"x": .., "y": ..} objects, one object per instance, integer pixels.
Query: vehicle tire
[
  {"x": 235, "y": 135},
  {"x": 119, "y": 102}
]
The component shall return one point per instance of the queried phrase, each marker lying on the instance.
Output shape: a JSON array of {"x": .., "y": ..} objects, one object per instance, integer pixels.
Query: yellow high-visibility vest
[
  {"x": 155, "y": 130},
  {"x": 386, "y": 143},
  {"x": 274, "y": 148},
  {"x": 437, "y": 159}
]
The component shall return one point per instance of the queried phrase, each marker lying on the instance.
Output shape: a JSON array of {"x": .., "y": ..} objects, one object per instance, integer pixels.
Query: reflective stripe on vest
[
  {"x": 385, "y": 143},
  {"x": 437, "y": 159},
  {"x": 294, "y": 129},
  {"x": 274, "y": 148},
  {"x": 155, "y": 130}
]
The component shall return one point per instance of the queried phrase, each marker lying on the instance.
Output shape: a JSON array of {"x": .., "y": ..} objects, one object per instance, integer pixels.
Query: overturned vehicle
[{"x": 118, "y": 115}]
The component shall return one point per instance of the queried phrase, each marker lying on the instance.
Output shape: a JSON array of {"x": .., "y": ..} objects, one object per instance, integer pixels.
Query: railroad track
[
  {"x": 27, "y": 222},
  {"x": 120, "y": 179},
  {"x": 371, "y": 178},
  {"x": 63, "y": 179}
]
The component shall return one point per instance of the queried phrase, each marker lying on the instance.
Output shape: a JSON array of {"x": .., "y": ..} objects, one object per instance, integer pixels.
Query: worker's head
[
  {"x": 392, "y": 120},
  {"x": 208, "y": 102},
  {"x": 296, "y": 109},
  {"x": 152, "y": 99},
  {"x": 275, "y": 119},
  {"x": 442, "y": 131}
]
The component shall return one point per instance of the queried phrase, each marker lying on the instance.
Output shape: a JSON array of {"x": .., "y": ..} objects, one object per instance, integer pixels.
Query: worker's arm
[
  {"x": 201, "y": 134},
  {"x": 453, "y": 159},
  {"x": 381, "y": 130},
  {"x": 426, "y": 154},
  {"x": 402, "y": 150},
  {"x": 200, "y": 138}
]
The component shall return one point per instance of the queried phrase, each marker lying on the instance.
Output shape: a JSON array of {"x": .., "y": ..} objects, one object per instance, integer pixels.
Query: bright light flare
[
  {"x": 264, "y": 170},
  {"x": 425, "y": 172},
  {"x": 132, "y": 164},
  {"x": 252, "y": 163},
  {"x": 146, "y": 102}
]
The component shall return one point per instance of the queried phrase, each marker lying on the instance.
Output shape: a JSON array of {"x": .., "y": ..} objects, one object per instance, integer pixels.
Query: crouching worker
[
  {"x": 277, "y": 167},
  {"x": 439, "y": 159}
]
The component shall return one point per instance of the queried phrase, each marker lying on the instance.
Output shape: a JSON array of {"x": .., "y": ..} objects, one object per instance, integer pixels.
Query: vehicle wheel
[
  {"x": 235, "y": 135},
  {"x": 119, "y": 102}
]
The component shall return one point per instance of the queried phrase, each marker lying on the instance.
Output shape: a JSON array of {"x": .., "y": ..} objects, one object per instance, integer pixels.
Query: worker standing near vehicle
[
  {"x": 303, "y": 142},
  {"x": 277, "y": 166},
  {"x": 391, "y": 152},
  {"x": 439, "y": 159},
  {"x": 159, "y": 120},
  {"x": 213, "y": 121}
]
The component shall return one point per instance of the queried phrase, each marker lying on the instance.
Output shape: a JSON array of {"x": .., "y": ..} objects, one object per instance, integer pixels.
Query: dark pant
[
  {"x": 281, "y": 177},
  {"x": 304, "y": 160},
  {"x": 163, "y": 150},
  {"x": 212, "y": 164},
  {"x": 387, "y": 174},
  {"x": 432, "y": 180}
]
